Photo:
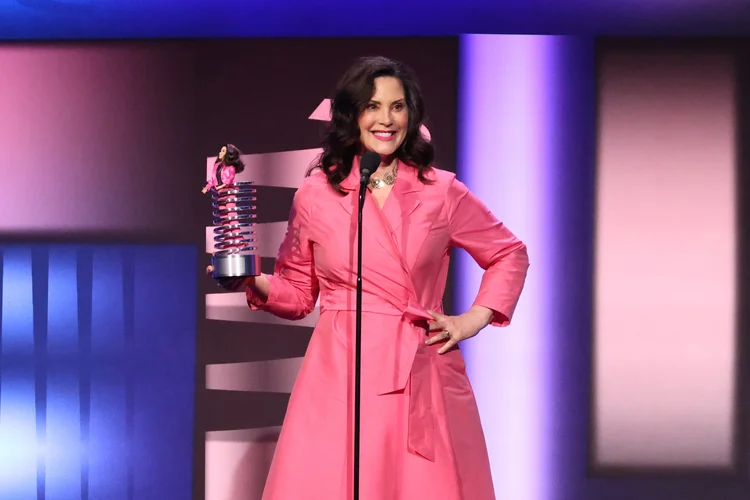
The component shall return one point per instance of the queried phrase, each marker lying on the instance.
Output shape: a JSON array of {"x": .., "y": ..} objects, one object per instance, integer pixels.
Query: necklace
[{"x": 387, "y": 179}]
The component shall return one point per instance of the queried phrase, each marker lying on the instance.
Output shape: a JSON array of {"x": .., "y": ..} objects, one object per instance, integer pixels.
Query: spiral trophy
[{"x": 235, "y": 238}]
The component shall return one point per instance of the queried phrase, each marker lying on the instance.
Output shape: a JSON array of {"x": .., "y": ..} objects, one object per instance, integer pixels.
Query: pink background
[
  {"x": 665, "y": 308},
  {"x": 85, "y": 131}
]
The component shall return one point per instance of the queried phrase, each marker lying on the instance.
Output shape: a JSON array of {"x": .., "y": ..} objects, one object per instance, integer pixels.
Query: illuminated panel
[
  {"x": 63, "y": 446},
  {"x": 277, "y": 375},
  {"x": 508, "y": 158},
  {"x": 110, "y": 468},
  {"x": 237, "y": 462},
  {"x": 233, "y": 307},
  {"x": 665, "y": 285},
  {"x": 18, "y": 441},
  {"x": 283, "y": 169},
  {"x": 97, "y": 372}
]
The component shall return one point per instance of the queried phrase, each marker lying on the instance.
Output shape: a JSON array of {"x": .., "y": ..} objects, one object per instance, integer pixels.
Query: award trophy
[{"x": 235, "y": 238}]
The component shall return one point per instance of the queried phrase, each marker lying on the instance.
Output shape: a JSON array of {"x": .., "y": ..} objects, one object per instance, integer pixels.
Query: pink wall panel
[
  {"x": 86, "y": 130},
  {"x": 665, "y": 308}
]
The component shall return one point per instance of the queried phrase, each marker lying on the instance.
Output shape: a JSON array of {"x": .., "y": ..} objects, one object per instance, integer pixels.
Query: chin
[{"x": 384, "y": 148}]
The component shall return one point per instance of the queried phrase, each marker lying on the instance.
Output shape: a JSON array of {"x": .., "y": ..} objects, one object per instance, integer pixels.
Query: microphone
[{"x": 368, "y": 164}]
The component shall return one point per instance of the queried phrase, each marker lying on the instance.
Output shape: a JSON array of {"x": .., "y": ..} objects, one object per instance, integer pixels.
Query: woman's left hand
[{"x": 454, "y": 329}]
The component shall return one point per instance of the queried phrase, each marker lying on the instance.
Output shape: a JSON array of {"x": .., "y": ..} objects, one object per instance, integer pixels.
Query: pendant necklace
[{"x": 387, "y": 179}]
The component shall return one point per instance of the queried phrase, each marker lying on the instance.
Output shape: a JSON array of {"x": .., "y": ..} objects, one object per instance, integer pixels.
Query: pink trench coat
[{"x": 421, "y": 437}]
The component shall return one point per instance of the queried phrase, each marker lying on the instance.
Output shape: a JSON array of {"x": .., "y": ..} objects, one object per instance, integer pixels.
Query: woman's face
[
  {"x": 384, "y": 122},
  {"x": 222, "y": 153}
]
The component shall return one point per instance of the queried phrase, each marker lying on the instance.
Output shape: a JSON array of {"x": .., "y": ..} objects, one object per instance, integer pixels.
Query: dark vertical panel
[
  {"x": 39, "y": 270},
  {"x": 575, "y": 126},
  {"x": 164, "y": 356},
  {"x": 84, "y": 285},
  {"x": 742, "y": 439}
]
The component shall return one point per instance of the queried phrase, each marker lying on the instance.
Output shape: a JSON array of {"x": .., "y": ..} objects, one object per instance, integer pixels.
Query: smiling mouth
[{"x": 384, "y": 135}]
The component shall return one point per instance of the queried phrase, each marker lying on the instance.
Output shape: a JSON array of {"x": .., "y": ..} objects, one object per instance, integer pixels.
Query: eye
[
  {"x": 372, "y": 105},
  {"x": 398, "y": 106}
]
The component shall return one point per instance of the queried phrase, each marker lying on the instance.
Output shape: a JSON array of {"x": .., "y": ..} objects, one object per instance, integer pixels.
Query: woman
[{"x": 420, "y": 431}]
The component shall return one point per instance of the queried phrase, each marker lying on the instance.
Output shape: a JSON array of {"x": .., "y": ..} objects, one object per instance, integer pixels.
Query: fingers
[
  {"x": 231, "y": 284},
  {"x": 448, "y": 345},
  {"x": 209, "y": 269},
  {"x": 436, "y": 315},
  {"x": 439, "y": 323},
  {"x": 443, "y": 335}
]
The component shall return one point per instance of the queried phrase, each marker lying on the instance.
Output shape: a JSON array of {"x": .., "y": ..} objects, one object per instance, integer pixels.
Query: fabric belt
[{"x": 407, "y": 355}]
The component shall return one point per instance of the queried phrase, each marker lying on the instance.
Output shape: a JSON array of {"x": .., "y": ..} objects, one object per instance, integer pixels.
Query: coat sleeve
[
  {"x": 501, "y": 255},
  {"x": 212, "y": 180},
  {"x": 293, "y": 285}
]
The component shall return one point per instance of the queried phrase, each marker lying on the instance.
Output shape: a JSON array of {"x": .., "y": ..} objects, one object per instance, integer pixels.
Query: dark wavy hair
[
  {"x": 232, "y": 158},
  {"x": 341, "y": 142}
]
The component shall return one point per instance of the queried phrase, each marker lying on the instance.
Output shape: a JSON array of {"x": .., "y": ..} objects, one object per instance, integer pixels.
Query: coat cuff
[
  {"x": 257, "y": 302},
  {"x": 501, "y": 315}
]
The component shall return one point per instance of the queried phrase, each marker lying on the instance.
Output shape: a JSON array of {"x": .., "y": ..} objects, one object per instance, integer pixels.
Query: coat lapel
[
  {"x": 403, "y": 209},
  {"x": 395, "y": 227},
  {"x": 373, "y": 221},
  {"x": 404, "y": 198}
]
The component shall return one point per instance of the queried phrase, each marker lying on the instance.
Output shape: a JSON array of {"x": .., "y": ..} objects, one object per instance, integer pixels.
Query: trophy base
[{"x": 235, "y": 265}]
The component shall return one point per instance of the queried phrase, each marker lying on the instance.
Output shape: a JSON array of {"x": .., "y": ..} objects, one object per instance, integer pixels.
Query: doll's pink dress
[{"x": 227, "y": 175}]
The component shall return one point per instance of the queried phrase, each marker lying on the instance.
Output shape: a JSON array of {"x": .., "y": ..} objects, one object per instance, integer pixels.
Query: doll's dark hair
[
  {"x": 353, "y": 92},
  {"x": 232, "y": 157}
]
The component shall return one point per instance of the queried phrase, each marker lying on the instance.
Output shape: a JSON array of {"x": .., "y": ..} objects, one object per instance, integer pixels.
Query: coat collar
[
  {"x": 406, "y": 182},
  {"x": 386, "y": 224}
]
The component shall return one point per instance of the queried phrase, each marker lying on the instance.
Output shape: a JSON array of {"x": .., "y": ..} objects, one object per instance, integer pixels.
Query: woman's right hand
[{"x": 231, "y": 284}]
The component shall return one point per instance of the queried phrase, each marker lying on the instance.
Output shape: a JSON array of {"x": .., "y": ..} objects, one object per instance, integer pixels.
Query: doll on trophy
[
  {"x": 227, "y": 165},
  {"x": 234, "y": 232}
]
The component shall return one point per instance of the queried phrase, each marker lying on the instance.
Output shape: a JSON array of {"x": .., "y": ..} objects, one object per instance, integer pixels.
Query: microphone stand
[{"x": 358, "y": 335}]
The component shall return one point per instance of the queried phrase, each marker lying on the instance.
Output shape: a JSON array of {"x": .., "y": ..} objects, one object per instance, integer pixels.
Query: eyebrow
[{"x": 401, "y": 99}]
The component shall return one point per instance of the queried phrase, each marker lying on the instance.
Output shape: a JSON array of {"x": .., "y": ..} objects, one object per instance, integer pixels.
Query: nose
[{"x": 385, "y": 117}]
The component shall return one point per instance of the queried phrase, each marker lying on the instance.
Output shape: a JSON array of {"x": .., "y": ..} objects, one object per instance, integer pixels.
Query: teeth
[{"x": 384, "y": 134}]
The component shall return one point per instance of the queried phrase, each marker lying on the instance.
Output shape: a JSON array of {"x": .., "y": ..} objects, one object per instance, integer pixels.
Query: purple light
[{"x": 506, "y": 151}]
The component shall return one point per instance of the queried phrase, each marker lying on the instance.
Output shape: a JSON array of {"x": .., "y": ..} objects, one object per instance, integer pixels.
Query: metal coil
[
  {"x": 235, "y": 236},
  {"x": 233, "y": 213}
]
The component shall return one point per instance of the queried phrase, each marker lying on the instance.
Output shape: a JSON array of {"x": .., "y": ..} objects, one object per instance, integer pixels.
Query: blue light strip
[
  {"x": 62, "y": 449},
  {"x": 18, "y": 434},
  {"x": 108, "y": 446}
]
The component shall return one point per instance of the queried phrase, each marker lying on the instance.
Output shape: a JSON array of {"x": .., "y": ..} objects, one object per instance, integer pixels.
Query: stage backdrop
[
  {"x": 108, "y": 142},
  {"x": 252, "y": 358}
]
